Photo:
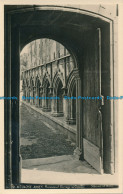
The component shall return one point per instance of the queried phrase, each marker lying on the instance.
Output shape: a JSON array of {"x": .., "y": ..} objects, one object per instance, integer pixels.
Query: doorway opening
[
  {"x": 91, "y": 47},
  {"x": 48, "y": 124}
]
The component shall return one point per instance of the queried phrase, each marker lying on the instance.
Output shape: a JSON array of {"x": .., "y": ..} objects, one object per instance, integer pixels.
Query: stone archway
[
  {"x": 46, "y": 106},
  {"x": 75, "y": 39},
  {"x": 58, "y": 90}
]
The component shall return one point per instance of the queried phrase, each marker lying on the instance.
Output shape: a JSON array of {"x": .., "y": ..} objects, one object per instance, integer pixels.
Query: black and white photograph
[{"x": 61, "y": 96}]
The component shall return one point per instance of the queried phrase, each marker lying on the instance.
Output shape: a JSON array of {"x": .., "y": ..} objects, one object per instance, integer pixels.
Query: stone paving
[
  {"x": 45, "y": 149},
  {"x": 65, "y": 163},
  {"x": 40, "y": 140}
]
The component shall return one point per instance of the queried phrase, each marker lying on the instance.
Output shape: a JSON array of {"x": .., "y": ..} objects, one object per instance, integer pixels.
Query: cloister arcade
[{"x": 46, "y": 82}]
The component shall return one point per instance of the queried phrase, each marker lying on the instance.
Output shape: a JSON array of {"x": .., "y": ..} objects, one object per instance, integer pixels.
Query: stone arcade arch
[
  {"x": 58, "y": 90},
  {"x": 72, "y": 92},
  {"x": 74, "y": 28},
  {"x": 46, "y": 92}
]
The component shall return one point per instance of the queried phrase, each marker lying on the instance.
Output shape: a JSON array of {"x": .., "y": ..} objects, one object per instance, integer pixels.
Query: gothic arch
[
  {"x": 46, "y": 85},
  {"x": 27, "y": 82},
  {"x": 32, "y": 82},
  {"x": 46, "y": 79},
  {"x": 72, "y": 92},
  {"x": 58, "y": 91},
  {"x": 57, "y": 78},
  {"x": 37, "y": 81},
  {"x": 74, "y": 75}
]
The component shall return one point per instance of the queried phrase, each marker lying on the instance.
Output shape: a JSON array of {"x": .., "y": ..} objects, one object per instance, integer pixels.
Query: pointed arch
[
  {"x": 37, "y": 81},
  {"x": 71, "y": 92},
  {"x": 57, "y": 78},
  {"x": 74, "y": 75},
  {"x": 58, "y": 83},
  {"x": 46, "y": 79},
  {"x": 32, "y": 82}
]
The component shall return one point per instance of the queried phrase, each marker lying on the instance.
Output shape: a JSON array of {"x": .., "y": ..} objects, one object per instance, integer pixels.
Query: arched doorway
[
  {"x": 52, "y": 75},
  {"x": 73, "y": 38}
]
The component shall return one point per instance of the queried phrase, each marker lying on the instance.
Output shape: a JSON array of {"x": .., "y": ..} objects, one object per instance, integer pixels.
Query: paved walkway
[
  {"x": 44, "y": 149},
  {"x": 65, "y": 163},
  {"x": 40, "y": 140}
]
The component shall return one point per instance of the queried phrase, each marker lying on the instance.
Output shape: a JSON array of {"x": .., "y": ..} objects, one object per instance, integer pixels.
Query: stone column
[
  {"x": 34, "y": 91},
  {"x": 45, "y": 107},
  {"x": 55, "y": 111},
  {"x": 72, "y": 120},
  {"x": 37, "y": 100},
  {"x": 78, "y": 152},
  {"x": 65, "y": 72},
  {"x": 54, "y": 105},
  {"x": 43, "y": 95},
  {"x": 31, "y": 94},
  {"x": 24, "y": 91},
  {"x": 65, "y": 108},
  {"x": 26, "y": 94},
  {"x": 40, "y": 95},
  {"x": 79, "y": 113},
  {"x": 51, "y": 95}
]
